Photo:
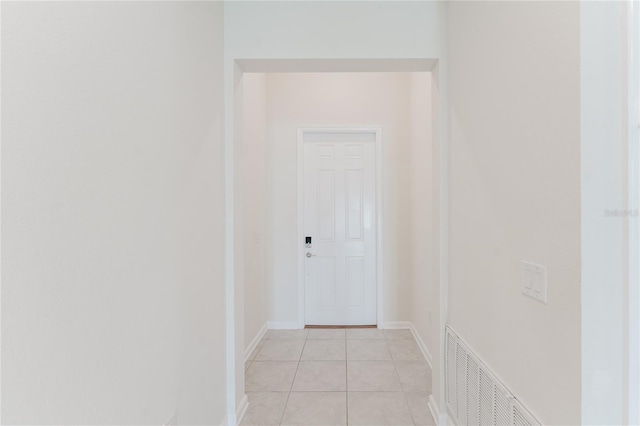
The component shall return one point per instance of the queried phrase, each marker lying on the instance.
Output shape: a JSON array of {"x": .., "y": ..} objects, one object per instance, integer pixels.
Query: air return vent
[
  {"x": 473, "y": 398},
  {"x": 461, "y": 383},
  {"x": 474, "y": 395},
  {"x": 450, "y": 367},
  {"x": 521, "y": 417}
]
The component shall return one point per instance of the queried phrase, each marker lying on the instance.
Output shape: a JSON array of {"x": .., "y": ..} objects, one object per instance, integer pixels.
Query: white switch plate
[{"x": 534, "y": 281}]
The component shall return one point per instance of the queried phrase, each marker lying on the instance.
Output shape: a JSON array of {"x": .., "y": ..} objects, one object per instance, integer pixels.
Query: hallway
[
  {"x": 187, "y": 185},
  {"x": 338, "y": 377}
]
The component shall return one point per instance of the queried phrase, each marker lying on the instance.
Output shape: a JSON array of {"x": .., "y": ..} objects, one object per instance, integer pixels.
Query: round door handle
[{"x": 309, "y": 254}]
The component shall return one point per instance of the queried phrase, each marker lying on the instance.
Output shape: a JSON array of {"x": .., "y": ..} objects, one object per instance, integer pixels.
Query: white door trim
[
  {"x": 379, "y": 213},
  {"x": 633, "y": 292}
]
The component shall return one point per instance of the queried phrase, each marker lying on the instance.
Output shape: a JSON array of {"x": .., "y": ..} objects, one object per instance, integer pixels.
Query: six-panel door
[{"x": 339, "y": 216}]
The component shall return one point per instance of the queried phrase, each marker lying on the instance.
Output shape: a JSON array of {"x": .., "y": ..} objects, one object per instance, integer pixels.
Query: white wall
[
  {"x": 346, "y": 29},
  {"x": 234, "y": 248},
  {"x": 254, "y": 128},
  {"x": 339, "y": 100},
  {"x": 112, "y": 283},
  {"x": 424, "y": 300},
  {"x": 515, "y": 194},
  {"x": 603, "y": 95}
]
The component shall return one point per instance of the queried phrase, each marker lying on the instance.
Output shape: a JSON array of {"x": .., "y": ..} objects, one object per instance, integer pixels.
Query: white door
[{"x": 340, "y": 218}]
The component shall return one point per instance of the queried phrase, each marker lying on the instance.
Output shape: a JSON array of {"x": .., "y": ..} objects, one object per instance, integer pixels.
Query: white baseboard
[
  {"x": 255, "y": 341},
  {"x": 234, "y": 419},
  {"x": 396, "y": 325},
  {"x": 433, "y": 408},
  {"x": 283, "y": 325},
  {"x": 242, "y": 409},
  {"x": 403, "y": 325},
  {"x": 446, "y": 419},
  {"x": 423, "y": 347}
]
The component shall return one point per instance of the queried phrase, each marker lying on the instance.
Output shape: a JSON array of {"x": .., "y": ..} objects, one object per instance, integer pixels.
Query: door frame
[
  {"x": 302, "y": 131},
  {"x": 633, "y": 203},
  {"x": 230, "y": 130}
]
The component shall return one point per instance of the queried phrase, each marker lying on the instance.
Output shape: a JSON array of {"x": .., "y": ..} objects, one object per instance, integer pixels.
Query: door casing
[{"x": 377, "y": 131}]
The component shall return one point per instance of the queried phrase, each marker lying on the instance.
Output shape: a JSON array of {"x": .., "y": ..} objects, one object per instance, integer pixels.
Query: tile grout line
[
  {"x": 294, "y": 380},
  {"x": 346, "y": 377},
  {"x": 404, "y": 392},
  {"x": 388, "y": 341}
]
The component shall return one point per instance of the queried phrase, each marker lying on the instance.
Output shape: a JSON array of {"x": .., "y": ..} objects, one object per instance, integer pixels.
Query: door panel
[
  {"x": 326, "y": 282},
  {"x": 355, "y": 281},
  {"x": 354, "y": 195},
  {"x": 326, "y": 214},
  {"x": 339, "y": 215}
]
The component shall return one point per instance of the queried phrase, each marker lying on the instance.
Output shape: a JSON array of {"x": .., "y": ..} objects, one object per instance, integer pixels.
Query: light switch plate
[{"x": 534, "y": 281}]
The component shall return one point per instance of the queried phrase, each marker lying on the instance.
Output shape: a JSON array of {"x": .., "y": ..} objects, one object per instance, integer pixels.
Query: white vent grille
[
  {"x": 486, "y": 398},
  {"x": 518, "y": 419},
  {"x": 474, "y": 395},
  {"x": 521, "y": 416},
  {"x": 461, "y": 383},
  {"x": 502, "y": 414},
  {"x": 451, "y": 371}
]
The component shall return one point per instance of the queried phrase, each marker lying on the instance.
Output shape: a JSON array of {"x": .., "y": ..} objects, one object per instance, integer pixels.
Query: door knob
[{"x": 309, "y": 254}]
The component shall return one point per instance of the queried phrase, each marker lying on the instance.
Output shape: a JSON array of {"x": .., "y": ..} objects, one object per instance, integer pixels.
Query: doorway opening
[{"x": 381, "y": 128}]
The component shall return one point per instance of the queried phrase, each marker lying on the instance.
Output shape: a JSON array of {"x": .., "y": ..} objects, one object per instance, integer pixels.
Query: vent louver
[
  {"x": 450, "y": 366},
  {"x": 474, "y": 395},
  {"x": 502, "y": 410},
  {"x": 521, "y": 417},
  {"x": 486, "y": 398},
  {"x": 461, "y": 383}
]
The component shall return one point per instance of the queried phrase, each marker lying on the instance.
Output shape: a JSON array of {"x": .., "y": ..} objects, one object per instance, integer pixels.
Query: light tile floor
[{"x": 338, "y": 377}]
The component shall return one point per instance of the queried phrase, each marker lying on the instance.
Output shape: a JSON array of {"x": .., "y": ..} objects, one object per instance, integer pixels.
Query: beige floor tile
[
  {"x": 316, "y": 408},
  {"x": 419, "y": 406},
  {"x": 265, "y": 408},
  {"x": 314, "y": 376},
  {"x": 368, "y": 350},
  {"x": 372, "y": 376},
  {"x": 378, "y": 408},
  {"x": 287, "y": 334},
  {"x": 414, "y": 375},
  {"x": 270, "y": 376},
  {"x": 398, "y": 334},
  {"x": 326, "y": 334},
  {"x": 280, "y": 350},
  {"x": 365, "y": 333},
  {"x": 405, "y": 350},
  {"x": 324, "y": 350}
]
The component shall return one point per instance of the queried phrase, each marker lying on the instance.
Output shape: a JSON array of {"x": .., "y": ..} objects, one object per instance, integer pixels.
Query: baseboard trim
[
  {"x": 234, "y": 419},
  {"x": 258, "y": 337},
  {"x": 396, "y": 325},
  {"x": 283, "y": 325},
  {"x": 446, "y": 419},
  {"x": 423, "y": 347},
  {"x": 433, "y": 408},
  {"x": 242, "y": 409}
]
